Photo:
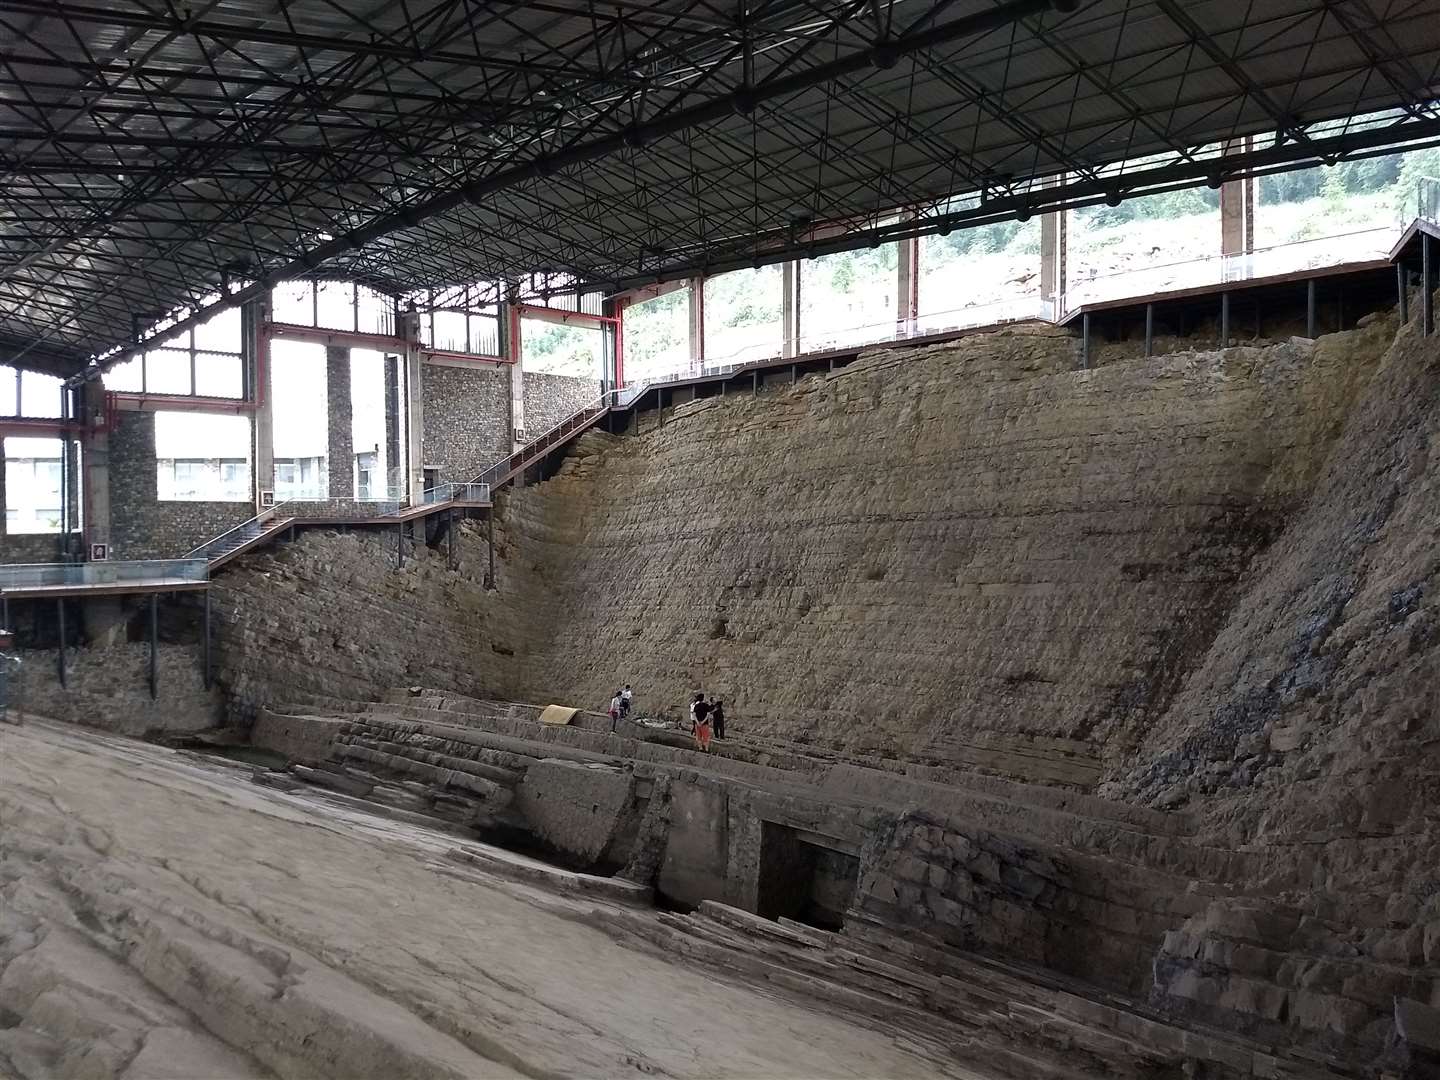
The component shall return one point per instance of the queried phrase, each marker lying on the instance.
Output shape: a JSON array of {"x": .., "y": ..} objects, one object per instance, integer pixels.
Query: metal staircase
[{"x": 248, "y": 534}]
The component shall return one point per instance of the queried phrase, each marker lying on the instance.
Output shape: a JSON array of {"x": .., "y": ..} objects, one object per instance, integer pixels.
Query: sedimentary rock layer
[{"x": 970, "y": 554}]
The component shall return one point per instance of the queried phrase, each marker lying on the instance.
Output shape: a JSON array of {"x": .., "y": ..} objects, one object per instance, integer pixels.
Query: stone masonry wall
[
  {"x": 552, "y": 398},
  {"x": 143, "y": 527},
  {"x": 109, "y": 688},
  {"x": 929, "y": 553},
  {"x": 467, "y": 419},
  {"x": 340, "y": 442}
]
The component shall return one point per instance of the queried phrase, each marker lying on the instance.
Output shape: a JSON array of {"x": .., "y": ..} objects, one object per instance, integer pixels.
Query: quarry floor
[{"x": 162, "y": 916}]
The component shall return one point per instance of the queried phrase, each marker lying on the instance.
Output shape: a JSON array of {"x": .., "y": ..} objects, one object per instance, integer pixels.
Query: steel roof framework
[{"x": 153, "y": 156}]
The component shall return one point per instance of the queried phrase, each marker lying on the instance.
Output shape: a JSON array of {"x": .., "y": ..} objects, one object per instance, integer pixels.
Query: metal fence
[
  {"x": 36, "y": 575},
  {"x": 1427, "y": 201},
  {"x": 457, "y": 492}
]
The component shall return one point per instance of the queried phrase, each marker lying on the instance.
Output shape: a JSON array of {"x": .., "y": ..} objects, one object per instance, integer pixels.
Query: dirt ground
[{"x": 163, "y": 917}]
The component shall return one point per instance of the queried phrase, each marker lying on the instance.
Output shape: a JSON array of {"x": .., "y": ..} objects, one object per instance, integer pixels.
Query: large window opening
[
  {"x": 372, "y": 434},
  {"x": 29, "y": 393},
  {"x": 573, "y": 349},
  {"x": 201, "y": 457},
  {"x": 744, "y": 315},
  {"x": 1154, "y": 243},
  {"x": 979, "y": 275},
  {"x": 333, "y": 305},
  {"x": 34, "y": 489},
  {"x": 657, "y": 336},
  {"x": 204, "y": 361},
  {"x": 848, "y": 298},
  {"x": 300, "y": 407}
]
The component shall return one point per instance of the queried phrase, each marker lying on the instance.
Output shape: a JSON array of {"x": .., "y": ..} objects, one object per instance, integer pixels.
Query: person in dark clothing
[
  {"x": 717, "y": 719},
  {"x": 702, "y": 724}
]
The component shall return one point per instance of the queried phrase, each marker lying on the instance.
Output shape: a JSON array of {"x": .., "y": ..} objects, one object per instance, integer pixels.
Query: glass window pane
[
  {"x": 167, "y": 371},
  {"x": 335, "y": 305},
  {"x": 202, "y": 457},
  {"x": 220, "y": 333},
  {"x": 39, "y": 394},
  {"x": 32, "y": 485},
  {"x": 9, "y": 391},
  {"x": 743, "y": 315},
  {"x": 293, "y": 302},
  {"x": 127, "y": 377},
  {"x": 484, "y": 335},
  {"x": 217, "y": 375},
  {"x": 376, "y": 312},
  {"x": 301, "y": 430},
  {"x": 449, "y": 331}
]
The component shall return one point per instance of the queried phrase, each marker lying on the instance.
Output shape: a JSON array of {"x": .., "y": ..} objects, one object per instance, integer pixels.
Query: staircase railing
[
  {"x": 558, "y": 434},
  {"x": 204, "y": 550},
  {"x": 1428, "y": 202}
]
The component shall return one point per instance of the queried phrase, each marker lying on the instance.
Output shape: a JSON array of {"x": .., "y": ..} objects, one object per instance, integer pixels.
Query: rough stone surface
[
  {"x": 109, "y": 688},
  {"x": 467, "y": 419},
  {"x": 143, "y": 527},
  {"x": 968, "y": 554},
  {"x": 552, "y": 398}
]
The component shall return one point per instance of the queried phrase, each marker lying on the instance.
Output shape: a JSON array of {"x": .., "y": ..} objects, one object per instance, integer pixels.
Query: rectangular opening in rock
[{"x": 805, "y": 877}]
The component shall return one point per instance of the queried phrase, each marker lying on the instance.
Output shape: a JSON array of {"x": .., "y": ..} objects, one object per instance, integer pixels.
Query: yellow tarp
[{"x": 557, "y": 714}]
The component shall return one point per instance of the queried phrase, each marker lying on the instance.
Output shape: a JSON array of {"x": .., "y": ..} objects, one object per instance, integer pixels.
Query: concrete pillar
[
  {"x": 907, "y": 287},
  {"x": 1053, "y": 262},
  {"x": 340, "y": 447},
  {"x": 95, "y": 490},
  {"x": 697, "y": 324},
  {"x": 512, "y": 347},
  {"x": 394, "y": 460},
  {"x": 1237, "y": 217},
  {"x": 409, "y": 326},
  {"x": 255, "y": 350},
  {"x": 790, "y": 309}
]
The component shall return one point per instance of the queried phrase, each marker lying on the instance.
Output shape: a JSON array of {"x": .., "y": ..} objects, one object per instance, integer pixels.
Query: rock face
[{"x": 969, "y": 555}]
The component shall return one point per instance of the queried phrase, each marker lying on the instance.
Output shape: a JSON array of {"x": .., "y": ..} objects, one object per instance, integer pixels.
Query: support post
[
  {"x": 400, "y": 546},
  {"x": 1149, "y": 329},
  {"x": 409, "y": 323},
  {"x": 450, "y": 536},
  {"x": 60, "y": 619},
  {"x": 697, "y": 325},
  {"x": 1085, "y": 341},
  {"x": 794, "y": 374},
  {"x": 755, "y": 383},
  {"x": 1403, "y": 294},
  {"x": 154, "y": 640},
  {"x": 1310, "y": 309},
  {"x": 907, "y": 287},
  {"x": 1427, "y": 286},
  {"x": 1053, "y": 253},
  {"x": 490, "y": 543},
  {"x": 790, "y": 309},
  {"x": 1224, "y": 320},
  {"x": 205, "y": 648},
  {"x": 340, "y": 443}
]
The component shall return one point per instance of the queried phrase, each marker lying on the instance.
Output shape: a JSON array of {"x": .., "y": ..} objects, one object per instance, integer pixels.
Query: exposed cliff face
[
  {"x": 971, "y": 554},
  {"x": 1310, "y": 726}
]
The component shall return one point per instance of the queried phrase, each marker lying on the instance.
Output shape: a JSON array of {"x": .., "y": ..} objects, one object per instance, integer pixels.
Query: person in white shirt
[
  {"x": 614, "y": 711},
  {"x": 625, "y": 696}
]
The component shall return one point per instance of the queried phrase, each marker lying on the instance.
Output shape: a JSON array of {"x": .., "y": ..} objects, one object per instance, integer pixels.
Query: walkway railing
[
  {"x": 1427, "y": 202},
  {"x": 457, "y": 492},
  {"x": 218, "y": 544},
  {"x": 39, "y": 575},
  {"x": 560, "y": 433}
]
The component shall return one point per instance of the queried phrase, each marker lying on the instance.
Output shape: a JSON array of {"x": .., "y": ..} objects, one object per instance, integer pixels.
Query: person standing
[
  {"x": 625, "y": 697},
  {"x": 717, "y": 719},
  {"x": 615, "y": 707},
  {"x": 702, "y": 722}
]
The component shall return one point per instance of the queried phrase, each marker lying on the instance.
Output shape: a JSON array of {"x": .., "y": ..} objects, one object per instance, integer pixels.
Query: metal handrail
[
  {"x": 203, "y": 550},
  {"x": 1427, "y": 205},
  {"x": 103, "y": 572}
]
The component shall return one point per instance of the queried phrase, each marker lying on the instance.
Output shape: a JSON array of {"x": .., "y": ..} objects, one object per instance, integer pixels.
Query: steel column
[
  {"x": 1403, "y": 294},
  {"x": 60, "y": 615},
  {"x": 1085, "y": 341},
  {"x": 755, "y": 377},
  {"x": 400, "y": 546},
  {"x": 1427, "y": 287},
  {"x": 1149, "y": 329},
  {"x": 205, "y": 650},
  {"x": 1225, "y": 320},
  {"x": 490, "y": 542},
  {"x": 154, "y": 639},
  {"x": 1310, "y": 308},
  {"x": 450, "y": 530}
]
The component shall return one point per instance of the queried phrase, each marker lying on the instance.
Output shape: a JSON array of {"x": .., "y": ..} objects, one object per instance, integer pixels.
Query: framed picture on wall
[{"x": 99, "y": 552}]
